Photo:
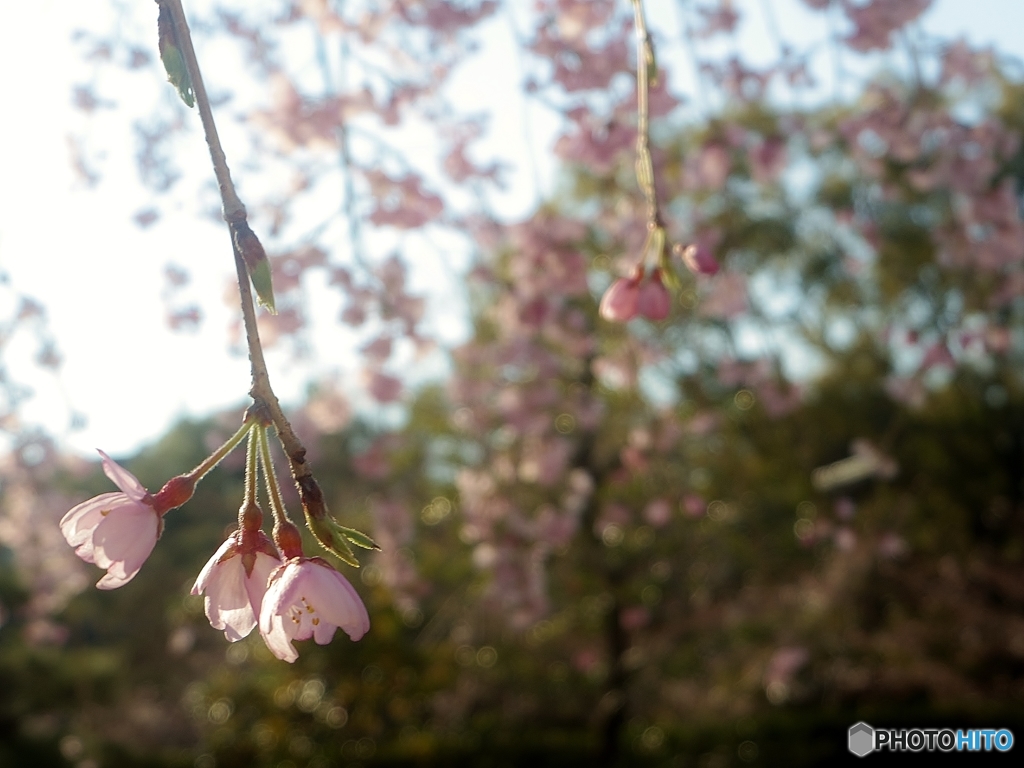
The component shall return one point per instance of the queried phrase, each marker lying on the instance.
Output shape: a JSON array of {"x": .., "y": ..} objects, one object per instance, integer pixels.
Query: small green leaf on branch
[
  {"x": 256, "y": 263},
  {"x": 171, "y": 56},
  {"x": 358, "y": 538},
  {"x": 335, "y": 538},
  {"x": 652, "y": 65}
]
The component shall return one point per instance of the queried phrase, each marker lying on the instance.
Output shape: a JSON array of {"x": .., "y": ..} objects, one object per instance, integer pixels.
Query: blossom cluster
[{"x": 248, "y": 582}]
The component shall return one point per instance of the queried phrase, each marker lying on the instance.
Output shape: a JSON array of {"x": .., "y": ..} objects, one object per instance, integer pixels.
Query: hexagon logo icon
[{"x": 861, "y": 739}]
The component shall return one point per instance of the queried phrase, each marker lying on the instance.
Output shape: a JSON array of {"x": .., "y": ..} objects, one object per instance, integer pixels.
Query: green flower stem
[
  {"x": 217, "y": 456},
  {"x": 252, "y": 466},
  {"x": 273, "y": 490}
]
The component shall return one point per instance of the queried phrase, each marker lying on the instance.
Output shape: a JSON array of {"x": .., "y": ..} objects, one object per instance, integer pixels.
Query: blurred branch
[{"x": 646, "y": 71}]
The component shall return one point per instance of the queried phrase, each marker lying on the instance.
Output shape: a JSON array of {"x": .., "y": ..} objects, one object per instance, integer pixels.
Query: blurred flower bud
[
  {"x": 698, "y": 258},
  {"x": 653, "y": 300},
  {"x": 619, "y": 302}
]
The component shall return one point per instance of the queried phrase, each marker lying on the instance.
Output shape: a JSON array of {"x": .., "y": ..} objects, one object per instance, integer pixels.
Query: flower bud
[
  {"x": 653, "y": 299},
  {"x": 619, "y": 302},
  {"x": 698, "y": 258},
  {"x": 170, "y": 55},
  {"x": 256, "y": 263}
]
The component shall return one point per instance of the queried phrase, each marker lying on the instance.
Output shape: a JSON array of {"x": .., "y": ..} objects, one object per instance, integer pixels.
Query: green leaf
[
  {"x": 652, "y": 67},
  {"x": 170, "y": 55},
  {"x": 327, "y": 532},
  {"x": 670, "y": 279},
  {"x": 358, "y": 538},
  {"x": 256, "y": 263},
  {"x": 260, "y": 276}
]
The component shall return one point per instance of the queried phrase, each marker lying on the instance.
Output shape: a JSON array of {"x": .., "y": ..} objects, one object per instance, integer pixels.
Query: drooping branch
[
  {"x": 645, "y": 67},
  {"x": 233, "y": 208},
  {"x": 235, "y": 215}
]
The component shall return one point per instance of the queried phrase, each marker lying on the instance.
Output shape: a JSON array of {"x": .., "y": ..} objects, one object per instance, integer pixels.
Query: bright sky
[{"x": 75, "y": 250}]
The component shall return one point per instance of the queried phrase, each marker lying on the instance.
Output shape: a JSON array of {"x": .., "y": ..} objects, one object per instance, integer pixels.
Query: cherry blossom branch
[
  {"x": 635, "y": 295},
  {"x": 645, "y": 67},
  {"x": 244, "y": 242},
  {"x": 233, "y": 208}
]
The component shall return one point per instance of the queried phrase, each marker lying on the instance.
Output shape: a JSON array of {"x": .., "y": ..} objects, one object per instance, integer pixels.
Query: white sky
[{"x": 76, "y": 251}]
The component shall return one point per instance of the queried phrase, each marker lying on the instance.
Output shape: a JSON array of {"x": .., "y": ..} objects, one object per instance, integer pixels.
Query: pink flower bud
[
  {"x": 654, "y": 301},
  {"x": 308, "y": 598},
  {"x": 116, "y": 531},
  {"x": 698, "y": 259},
  {"x": 619, "y": 302}
]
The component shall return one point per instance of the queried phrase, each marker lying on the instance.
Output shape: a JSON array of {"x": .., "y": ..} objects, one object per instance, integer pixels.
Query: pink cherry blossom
[
  {"x": 116, "y": 531},
  {"x": 308, "y": 598},
  {"x": 619, "y": 302},
  {"x": 235, "y": 581},
  {"x": 653, "y": 300}
]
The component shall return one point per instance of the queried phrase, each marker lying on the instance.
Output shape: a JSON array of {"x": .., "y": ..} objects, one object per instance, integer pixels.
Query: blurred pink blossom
[
  {"x": 115, "y": 531},
  {"x": 961, "y": 62},
  {"x": 727, "y": 299},
  {"x": 307, "y": 598},
  {"x": 634, "y": 617},
  {"x": 712, "y": 166},
  {"x": 384, "y": 388},
  {"x": 235, "y": 583},
  {"x": 846, "y": 539},
  {"x": 784, "y": 664},
  {"x": 768, "y": 159},
  {"x": 876, "y": 20},
  {"x": 658, "y": 513},
  {"x": 636, "y": 295},
  {"x": 693, "y": 504},
  {"x": 937, "y": 354},
  {"x": 402, "y": 202},
  {"x": 619, "y": 302},
  {"x": 890, "y": 545},
  {"x": 699, "y": 258},
  {"x": 907, "y": 390},
  {"x": 721, "y": 18},
  {"x": 653, "y": 300}
]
